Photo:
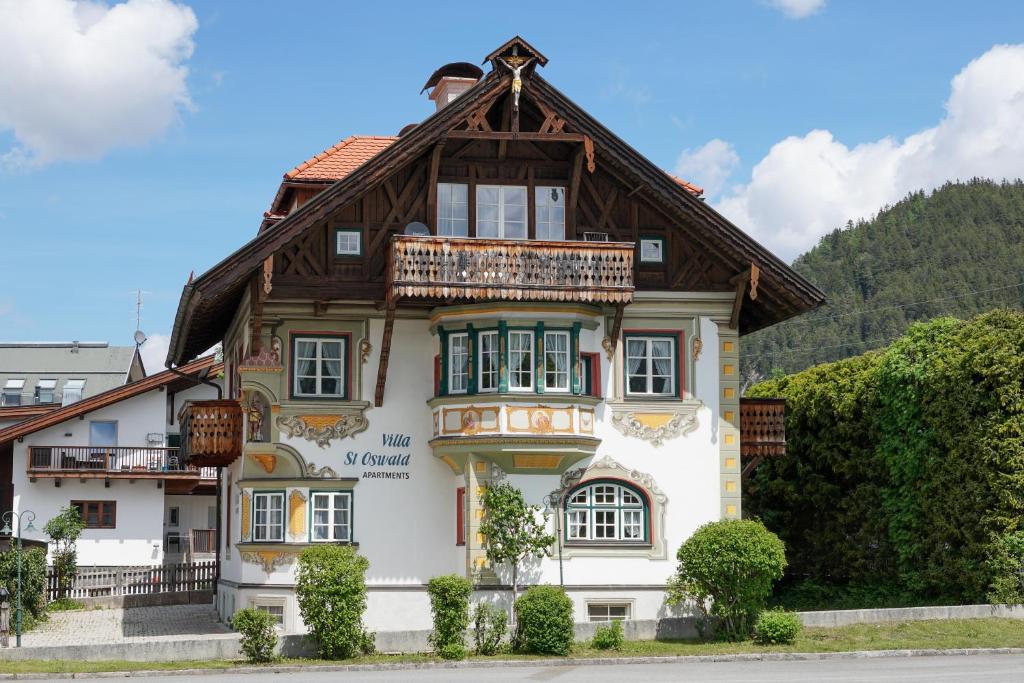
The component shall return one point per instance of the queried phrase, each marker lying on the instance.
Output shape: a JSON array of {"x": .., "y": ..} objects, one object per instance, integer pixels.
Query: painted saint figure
[{"x": 517, "y": 80}]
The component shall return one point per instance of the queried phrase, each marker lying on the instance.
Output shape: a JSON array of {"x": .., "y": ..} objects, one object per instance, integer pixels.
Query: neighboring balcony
[
  {"x": 126, "y": 462},
  {"x": 500, "y": 269},
  {"x": 211, "y": 433},
  {"x": 762, "y": 427}
]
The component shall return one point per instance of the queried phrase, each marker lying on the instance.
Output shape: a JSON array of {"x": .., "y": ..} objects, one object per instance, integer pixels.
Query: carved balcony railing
[
  {"x": 125, "y": 461},
  {"x": 518, "y": 270},
  {"x": 211, "y": 433},
  {"x": 762, "y": 427}
]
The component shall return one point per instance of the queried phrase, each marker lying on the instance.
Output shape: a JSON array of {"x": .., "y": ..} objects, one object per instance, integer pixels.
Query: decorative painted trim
[
  {"x": 608, "y": 464},
  {"x": 267, "y": 461},
  {"x": 246, "y": 514},
  {"x": 268, "y": 559},
  {"x": 365, "y": 348},
  {"x": 324, "y": 472},
  {"x": 656, "y": 427},
  {"x": 606, "y": 344},
  {"x": 321, "y": 429},
  {"x": 297, "y": 515}
]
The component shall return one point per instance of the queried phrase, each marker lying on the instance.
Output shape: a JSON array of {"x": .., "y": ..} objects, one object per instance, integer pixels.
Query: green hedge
[
  {"x": 449, "y": 604},
  {"x": 330, "y": 586},
  {"x": 904, "y": 467}
]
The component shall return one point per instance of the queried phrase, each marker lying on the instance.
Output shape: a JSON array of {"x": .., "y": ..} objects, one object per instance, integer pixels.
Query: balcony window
[
  {"x": 651, "y": 366},
  {"x": 556, "y": 361},
  {"x": 319, "y": 366},
  {"x": 268, "y": 516},
  {"x": 458, "y": 363},
  {"x": 45, "y": 390},
  {"x": 452, "y": 210},
  {"x": 489, "y": 353},
  {"x": 606, "y": 512},
  {"x": 501, "y": 212},
  {"x": 550, "y": 203},
  {"x": 520, "y": 361},
  {"x": 73, "y": 389},
  {"x": 11, "y": 395},
  {"x": 332, "y": 515}
]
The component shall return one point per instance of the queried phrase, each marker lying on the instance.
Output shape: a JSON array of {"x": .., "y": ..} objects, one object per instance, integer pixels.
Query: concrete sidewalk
[{"x": 133, "y": 625}]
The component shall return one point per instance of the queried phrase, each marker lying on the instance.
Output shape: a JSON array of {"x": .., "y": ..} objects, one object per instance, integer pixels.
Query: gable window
[
  {"x": 520, "y": 360},
  {"x": 97, "y": 514},
  {"x": 458, "y": 363},
  {"x": 45, "y": 390},
  {"x": 332, "y": 516},
  {"x": 550, "y": 203},
  {"x": 488, "y": 361},
  {"x": 606, "y": 511},
  {"x": 73, "y": 389},
  {"x": 348, "y": 242},
  {"x": 651, "y": 365},
  {"x": 652, "y": 250},
  {"x": 556, "y": 361},
  {"x": 12, "y": 392},
  {"x": 501, "y": 211},
  {"x": 452, "y": 210},
  {"x": 268, "y": 516},
  {"x": 319, "y": 367}
]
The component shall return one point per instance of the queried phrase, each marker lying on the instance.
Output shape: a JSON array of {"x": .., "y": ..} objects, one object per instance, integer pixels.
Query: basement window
[{"x": 608, "y": 611}]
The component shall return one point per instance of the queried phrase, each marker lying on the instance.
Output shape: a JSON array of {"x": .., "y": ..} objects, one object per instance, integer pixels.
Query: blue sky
[{"x": 270, "y": 84}]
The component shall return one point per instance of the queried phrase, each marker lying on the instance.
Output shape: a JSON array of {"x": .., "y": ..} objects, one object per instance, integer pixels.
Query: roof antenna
[{"x": 140, "y": 336}]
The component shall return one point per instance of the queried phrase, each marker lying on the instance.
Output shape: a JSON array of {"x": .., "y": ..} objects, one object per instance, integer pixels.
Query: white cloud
[
  {"x": 797, "y": 9},
  {"x": 154, "y": 352},
  {"x": 808, "y": 186},
  {"x": 81, "y": 78},
  {"x": 708, "y": 166}
]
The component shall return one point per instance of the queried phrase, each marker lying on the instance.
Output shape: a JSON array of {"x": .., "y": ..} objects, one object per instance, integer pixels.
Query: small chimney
[{"x": 451, "y": 80}]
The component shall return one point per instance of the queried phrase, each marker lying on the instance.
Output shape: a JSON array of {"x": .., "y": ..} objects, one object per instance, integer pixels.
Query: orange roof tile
[
  {"x": 689, "y": 187},
  {"x": 334, "y": 163}
]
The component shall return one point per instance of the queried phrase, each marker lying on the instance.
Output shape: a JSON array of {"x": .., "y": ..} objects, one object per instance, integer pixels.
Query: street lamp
[
  {"x": 19, "y": 517},
  {"x": 553, "y": 501}
]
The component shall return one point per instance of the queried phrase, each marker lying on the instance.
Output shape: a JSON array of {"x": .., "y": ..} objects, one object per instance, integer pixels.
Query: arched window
[{"x": 606, "y": 512}]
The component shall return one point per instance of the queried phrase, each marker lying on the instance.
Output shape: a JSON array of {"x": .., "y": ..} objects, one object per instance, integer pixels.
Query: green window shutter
[
  {"x": 538, "y": 352},
  {"x": 502, "y": 356}
]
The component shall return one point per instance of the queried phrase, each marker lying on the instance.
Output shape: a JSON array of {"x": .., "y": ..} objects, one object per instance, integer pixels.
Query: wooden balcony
[
  {"x": 211, "y": 433},
  {"x": 126, "y": 462},
  {"x": 762, "y": 427},
  {"x": 518, "y": 270}
]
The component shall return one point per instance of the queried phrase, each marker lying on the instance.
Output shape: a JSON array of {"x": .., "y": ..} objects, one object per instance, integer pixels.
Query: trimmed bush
[
  {"x": 259, "y": 638},
  {"x": 775, "y": 627},
  {"x": 64, "y": 530},
  {"x": 33, "y": 581},
  {"x": 330, "y": 586},
  {"x": 449, "y": 603},
  {"x": 544, "y": 621},
  {"x": 608, "y": 636},
  {"x": 727, "y": 569},
  {"x": 489, "y": 624}
]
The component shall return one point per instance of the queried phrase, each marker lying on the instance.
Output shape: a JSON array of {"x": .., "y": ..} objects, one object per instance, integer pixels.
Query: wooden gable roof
[{"x": 209, "y": 301}]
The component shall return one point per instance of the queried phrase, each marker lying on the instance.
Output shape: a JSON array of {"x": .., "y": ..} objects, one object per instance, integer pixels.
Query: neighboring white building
[
  {"x": 504, "y": 292},
  {"x": 115, "y": 456}
]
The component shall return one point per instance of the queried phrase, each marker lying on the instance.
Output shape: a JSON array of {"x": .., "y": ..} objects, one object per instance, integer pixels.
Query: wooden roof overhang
[{"x": 210, "y": 301}]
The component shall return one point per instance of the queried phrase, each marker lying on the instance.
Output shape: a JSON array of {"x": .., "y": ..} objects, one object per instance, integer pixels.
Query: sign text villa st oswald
[{"x": 384, "y": 460}]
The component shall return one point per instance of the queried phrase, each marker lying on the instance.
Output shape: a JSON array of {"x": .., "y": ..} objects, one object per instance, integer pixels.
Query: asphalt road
[{"x": 873, "y": 670}]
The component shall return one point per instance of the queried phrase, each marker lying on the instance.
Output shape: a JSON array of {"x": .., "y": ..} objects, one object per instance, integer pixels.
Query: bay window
[
  {"x": 556, "y": 361},
  {"x": 268, "y": 516},
  {"x": 550, "y": 211},
  {"x": 651, "y": 366},
  {"x": 332, "y": 516},
  {"x": 501, "y": 211},
  {"x": 458, "y": 363},
  {"x": 318, "y": 367},
  {"x": 489, "y": 357},
  {"x": 520, "y": 360},
  {"x": 606, "y": 511}
]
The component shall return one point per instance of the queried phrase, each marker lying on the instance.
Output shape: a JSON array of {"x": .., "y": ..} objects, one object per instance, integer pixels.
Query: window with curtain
[
  {"x": 458, "y": 363},
  {"x": 268, "y": 516},
  {"x": 488, "y": 342},
  {"x": 606, "y": 511},
  {"x": 501, "y": 211},
  {"x": 651, "y": 366},
  {"x": 520, "y": 360},
  {"x": 556, "y": 361},
  {"x": 332, "y": 515},
  {"x": 550, "y": 209},
  {"x": 452, "y": 210},
  {"x": 319, "y": 367}
]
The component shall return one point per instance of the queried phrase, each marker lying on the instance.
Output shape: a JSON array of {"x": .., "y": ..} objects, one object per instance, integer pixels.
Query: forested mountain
[{"x": 958, "y": 251}]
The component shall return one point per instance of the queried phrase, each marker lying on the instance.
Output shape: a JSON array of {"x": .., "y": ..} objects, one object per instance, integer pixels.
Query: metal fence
[{"x": 99, "y": 582}]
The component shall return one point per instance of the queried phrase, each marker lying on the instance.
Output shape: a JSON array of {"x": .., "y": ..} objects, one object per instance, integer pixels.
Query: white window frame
[
  {"x": 11, "y": 393},
  {"x": 494, "y": 351},
  {"x": 590, "y": 506},
  {"x": 268, "y": 525},
  {"x": 513, "y": 368},
  {"x": 646, "y": 256},
  {"x": 266, "y": 603},
  {"x": 348, "y": 233},
  {"x": 502, "y": 190},
  {"x": 446, "y": 223},
  {"x": 649, "y": 361},
  {"x": 568, "y": 360},
  {"x": 454, "y": 372},
  {"x": 74, "y": 390},
  {"x": 542, "y": 200},
  {"x": 47, "y": 387},
  {"x": 625, "y": 605},
  {"x": 333, "y": 497},
  {"x": 319, "y": 376}
]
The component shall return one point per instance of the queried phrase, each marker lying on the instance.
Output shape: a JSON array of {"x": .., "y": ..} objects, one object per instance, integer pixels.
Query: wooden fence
[{"x": 100, "y": 582}]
